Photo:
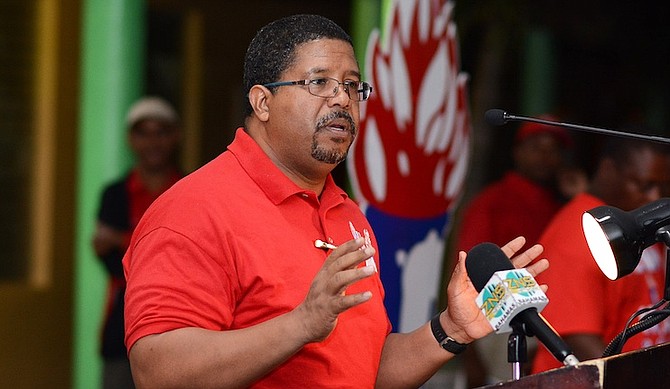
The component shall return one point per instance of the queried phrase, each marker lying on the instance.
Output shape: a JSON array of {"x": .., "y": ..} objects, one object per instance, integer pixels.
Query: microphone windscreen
[
  {"x": 482, "y": 261},
  {"x": 495, "y": 117}
]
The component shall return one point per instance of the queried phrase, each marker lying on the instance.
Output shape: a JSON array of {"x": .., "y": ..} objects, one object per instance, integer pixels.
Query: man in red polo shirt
[
  {"x": 153, "y": 136},
  {"x": 257, "y": 270}
]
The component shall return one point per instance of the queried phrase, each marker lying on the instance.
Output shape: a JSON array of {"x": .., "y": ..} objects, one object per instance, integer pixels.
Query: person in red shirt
[
  {"x": 154, "y": 137},
  {"x": 257, "y": 270},
  {"x": 521, "y": 203},
  {"x": 587, "y": 309}
]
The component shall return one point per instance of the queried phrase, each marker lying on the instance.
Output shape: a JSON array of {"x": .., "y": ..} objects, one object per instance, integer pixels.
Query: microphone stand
[
  {"x": 517, "y": 352},
  {"x": 498, "y": 117},
  {"x": 663, "y": 235}
]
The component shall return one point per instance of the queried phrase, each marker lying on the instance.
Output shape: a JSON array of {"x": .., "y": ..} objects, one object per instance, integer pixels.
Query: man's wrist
[{"x": 443, "y": 339}]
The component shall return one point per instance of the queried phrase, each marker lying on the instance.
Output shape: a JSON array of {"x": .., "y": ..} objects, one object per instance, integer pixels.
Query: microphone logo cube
[{"x": 507, "y": 293}]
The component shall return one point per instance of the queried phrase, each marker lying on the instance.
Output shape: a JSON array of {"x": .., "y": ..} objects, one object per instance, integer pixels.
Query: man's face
[
  {"x": 307, "y": 133},
  {"x": 539, "y": 157},
  {"x": 154, "y": 143},
  {"x": 645, "y": 178}
]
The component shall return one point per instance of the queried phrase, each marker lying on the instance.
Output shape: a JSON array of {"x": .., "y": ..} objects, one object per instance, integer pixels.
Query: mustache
[{"x": 324, "y": 120}]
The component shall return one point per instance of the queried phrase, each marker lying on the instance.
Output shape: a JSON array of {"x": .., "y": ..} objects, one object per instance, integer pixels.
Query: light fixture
[{"x": 617, "y": 238}]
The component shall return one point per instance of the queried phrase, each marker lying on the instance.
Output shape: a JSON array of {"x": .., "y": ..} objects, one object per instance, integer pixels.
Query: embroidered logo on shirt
[{"x": 367, "y": 243}]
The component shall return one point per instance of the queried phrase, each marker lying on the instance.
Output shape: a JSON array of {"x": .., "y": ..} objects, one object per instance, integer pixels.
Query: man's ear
[{"x": 259, "y": 98}]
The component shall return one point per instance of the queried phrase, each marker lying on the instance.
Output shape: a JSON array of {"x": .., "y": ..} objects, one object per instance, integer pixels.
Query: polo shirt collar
[{"x": 276, "y": 185}]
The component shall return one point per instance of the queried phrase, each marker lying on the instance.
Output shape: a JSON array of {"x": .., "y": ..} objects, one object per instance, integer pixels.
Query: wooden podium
[{"x": 647, "y": 368}]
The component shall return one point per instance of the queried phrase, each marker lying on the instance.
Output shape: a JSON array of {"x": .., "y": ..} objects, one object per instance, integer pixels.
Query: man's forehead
[
  {"x": 320, "y": 70},
  {"x": 324, "y": 55}
]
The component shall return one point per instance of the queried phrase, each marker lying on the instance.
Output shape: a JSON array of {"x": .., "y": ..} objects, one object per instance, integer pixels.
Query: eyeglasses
[{"x": 328, "y": 87}]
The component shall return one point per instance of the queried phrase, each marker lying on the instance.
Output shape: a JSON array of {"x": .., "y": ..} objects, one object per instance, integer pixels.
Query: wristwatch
[{"x": 446, "y": 342}]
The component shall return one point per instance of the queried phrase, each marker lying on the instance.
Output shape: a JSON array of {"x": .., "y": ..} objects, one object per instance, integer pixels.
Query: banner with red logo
[{"x": 408, "y": 164}]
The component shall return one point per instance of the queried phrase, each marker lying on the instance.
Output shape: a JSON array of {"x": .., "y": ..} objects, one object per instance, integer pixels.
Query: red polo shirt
[{"x": 232, "y": 245}]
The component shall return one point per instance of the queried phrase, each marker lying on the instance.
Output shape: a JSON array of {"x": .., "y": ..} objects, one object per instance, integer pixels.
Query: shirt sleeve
[{"x": 164, "y": 293}]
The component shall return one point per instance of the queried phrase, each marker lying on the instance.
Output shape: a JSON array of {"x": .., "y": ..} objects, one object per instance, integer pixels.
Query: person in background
[
  {"x": 521, "y": 203},
  {"x": 154, "y": 136},
  {"x": 587, "y": 309},
  {"x": 257, "y": 270}
]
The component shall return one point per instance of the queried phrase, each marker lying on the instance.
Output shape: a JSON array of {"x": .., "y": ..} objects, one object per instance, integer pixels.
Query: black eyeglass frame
[{"x": 363, "y": 91}]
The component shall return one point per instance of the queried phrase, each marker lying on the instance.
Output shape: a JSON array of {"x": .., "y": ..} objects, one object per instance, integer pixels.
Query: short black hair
[
  {"x": 272, "y": 50},
  {"x": 621, "y": 150}
]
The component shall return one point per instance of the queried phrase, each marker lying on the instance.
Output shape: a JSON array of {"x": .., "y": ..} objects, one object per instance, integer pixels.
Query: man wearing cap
[
  {"x": 153, "y": 136},
  {"x": 525, "y": 199},
  {"x": 521, "y": 203}
]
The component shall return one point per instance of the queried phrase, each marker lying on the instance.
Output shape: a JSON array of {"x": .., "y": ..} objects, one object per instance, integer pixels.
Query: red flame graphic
[{"x": 411, "y": 154}]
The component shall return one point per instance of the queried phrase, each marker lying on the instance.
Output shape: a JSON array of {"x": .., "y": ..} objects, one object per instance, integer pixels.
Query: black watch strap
[{"x": 446, "y": 342}]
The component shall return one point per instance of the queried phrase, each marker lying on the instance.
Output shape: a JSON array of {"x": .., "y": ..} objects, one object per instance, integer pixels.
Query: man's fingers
[
  {"x": 341, "y": 270},
  {"x": 342, "y": 280},
  {"x": 513, "y": 246},
  {"x": 538, "y": 267},
  {"x": 527, "y": 256},
  {"x": 460, "y": 271},
  {"x": 349, "y": 254},
  {"x": 351, "y": 300}
]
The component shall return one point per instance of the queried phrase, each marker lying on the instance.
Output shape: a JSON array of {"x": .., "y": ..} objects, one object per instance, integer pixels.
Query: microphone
[
  {"x": 509, "y": 297},
  {"x": 498, "y": 117}
]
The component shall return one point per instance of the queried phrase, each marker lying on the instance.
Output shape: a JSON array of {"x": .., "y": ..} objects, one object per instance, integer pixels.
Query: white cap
[{"x": 151, "y": 108}]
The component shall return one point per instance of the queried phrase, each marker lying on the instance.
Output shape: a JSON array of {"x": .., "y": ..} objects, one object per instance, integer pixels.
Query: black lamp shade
[{"x": 622, "y": 236}]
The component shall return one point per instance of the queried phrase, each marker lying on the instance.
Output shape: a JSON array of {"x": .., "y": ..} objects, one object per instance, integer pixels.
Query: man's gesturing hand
[
  {"x": 465, "y": 318},
  {"x": 327, "y": 296}
]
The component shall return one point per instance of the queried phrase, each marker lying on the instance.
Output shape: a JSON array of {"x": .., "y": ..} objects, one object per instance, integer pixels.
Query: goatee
[{"x": 331, "y": 156}]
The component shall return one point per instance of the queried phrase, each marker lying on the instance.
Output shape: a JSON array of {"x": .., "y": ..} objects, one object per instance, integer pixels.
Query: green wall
[{"x": 112, "y": 76}]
